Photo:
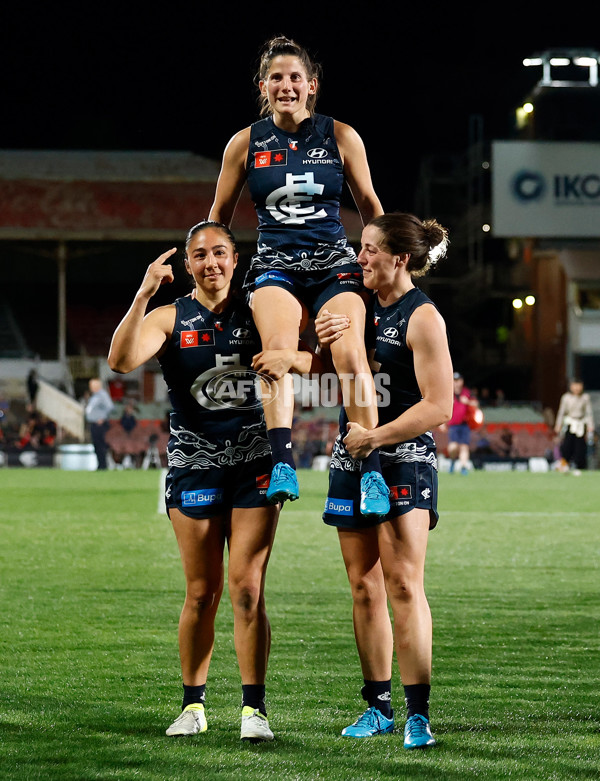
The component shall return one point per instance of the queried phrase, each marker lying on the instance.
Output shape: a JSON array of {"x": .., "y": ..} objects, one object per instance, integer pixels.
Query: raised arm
[
  {"x": 356, "y": 171},
  {"x": 231, "y": 178},
  {"x": 138, "y": 336}
]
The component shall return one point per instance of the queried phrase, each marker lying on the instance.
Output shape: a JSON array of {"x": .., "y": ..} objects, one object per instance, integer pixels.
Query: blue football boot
[
  {"x": 372, "y": 722},
  {"x": 283, "y": 484},
  {"x": 417, "y": 733},
  {"x": 374, "y": 495}
]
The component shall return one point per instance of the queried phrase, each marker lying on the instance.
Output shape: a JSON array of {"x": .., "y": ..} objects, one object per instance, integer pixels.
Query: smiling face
[
  {"x": 211, "y": 260},
  {"x": 287, "y": 87},
  {"x": 377, "y": 262}
]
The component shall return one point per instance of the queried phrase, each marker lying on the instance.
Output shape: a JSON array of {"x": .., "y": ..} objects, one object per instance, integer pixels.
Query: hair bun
[{"x": 438, "y": 240}]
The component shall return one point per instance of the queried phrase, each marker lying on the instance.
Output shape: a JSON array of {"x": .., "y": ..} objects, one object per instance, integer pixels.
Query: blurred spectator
[
  {"x": 574, "y": 426},
  {"x": 459, "y": 432},
  {"x": 483, "y": 446},
  {"x": 500, "y": 399},
  {"x": 32, "y": 386},
  {"x": 38, "y": 431},
  {"x": 128, "y": 419},
  {"x": 484, "y": 397},
  {"x": 504, "y": 448},
  {"x": 97, "y": 412}
]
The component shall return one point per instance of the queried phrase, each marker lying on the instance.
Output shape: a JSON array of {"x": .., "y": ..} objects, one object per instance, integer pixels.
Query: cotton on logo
[{"x": 287, "y": 204}]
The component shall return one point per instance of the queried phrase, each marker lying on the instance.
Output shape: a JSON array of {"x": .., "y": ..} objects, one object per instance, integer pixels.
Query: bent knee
[
  {"x": 350, "y": 361},
  {"x": 246, "y": 599},
  {"x": 201, "y": 599},
  {"x": 366, "y": 594},
  {"x": 404, "y": 589}
]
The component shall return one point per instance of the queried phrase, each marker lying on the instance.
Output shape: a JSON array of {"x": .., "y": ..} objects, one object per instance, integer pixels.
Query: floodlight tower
[{"x": 564, "y": 104}]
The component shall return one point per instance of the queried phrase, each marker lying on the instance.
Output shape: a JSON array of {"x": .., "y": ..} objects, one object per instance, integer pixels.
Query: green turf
[{"x": 91, "y": 590}]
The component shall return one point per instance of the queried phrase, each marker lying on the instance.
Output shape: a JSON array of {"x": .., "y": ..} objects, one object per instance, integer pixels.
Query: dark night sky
[{"x": 128, "y": 77}]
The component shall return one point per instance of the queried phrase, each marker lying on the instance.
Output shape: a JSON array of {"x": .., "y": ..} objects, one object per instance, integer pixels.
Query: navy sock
[
  {"x": 379, "y": 695},
  {"x": 193, "y": 695},
  {"x": 253, "y": 695},
  {"x": 417, "y": 699},
  {"x": 280, "y": 440},
  {"x": 371, "y": 463}
]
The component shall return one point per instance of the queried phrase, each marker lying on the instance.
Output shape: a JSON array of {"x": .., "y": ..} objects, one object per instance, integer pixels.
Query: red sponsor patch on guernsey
[
  {"x": 197, "y": 338},
  {"x": 270, "y": 157}
]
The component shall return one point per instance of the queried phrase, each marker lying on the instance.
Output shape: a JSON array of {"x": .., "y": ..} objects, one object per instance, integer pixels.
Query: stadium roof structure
[{"x": 116, "y": 195}]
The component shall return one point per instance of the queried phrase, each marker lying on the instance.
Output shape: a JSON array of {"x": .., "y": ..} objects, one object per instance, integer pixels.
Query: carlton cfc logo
[{"x": 292, "y": 203}]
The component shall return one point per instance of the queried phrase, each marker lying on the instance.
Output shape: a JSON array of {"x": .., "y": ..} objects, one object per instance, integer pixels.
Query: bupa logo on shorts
[
  {"x": 339, "y": 506},
  {"x": 201, "y": 498},
  {"x": 398, "y": 493},
  {"x": 270, "y": 157},
  {"x": 204, "y": 338},
  {"x": 277, "y": 276}
]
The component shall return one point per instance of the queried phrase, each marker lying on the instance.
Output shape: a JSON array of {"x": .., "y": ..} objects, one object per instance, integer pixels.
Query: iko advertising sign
[{"x": 546, "y": 189}]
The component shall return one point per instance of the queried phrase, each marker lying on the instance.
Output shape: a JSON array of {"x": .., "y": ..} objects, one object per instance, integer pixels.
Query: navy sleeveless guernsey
[
  {"x": 217, "y": 418},
  {"x": 397, "y": 367},
  {"x": 395, "y": 379},
  {"x": 296, "y": 181}
]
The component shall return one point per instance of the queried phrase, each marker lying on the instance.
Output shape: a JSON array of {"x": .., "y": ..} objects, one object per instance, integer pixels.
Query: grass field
[{"x": 91, "y": 590}]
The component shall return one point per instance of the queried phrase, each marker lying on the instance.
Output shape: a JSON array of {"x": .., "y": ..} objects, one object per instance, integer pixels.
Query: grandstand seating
[
  {"x": 528, "y": 439},
  {"x": 136, "y": 443}
]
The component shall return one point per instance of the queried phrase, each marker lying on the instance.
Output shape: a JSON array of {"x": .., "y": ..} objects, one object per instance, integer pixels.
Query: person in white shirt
[
  {"x": 97, "y": 413},
  {"x": 574, "y": 425}
]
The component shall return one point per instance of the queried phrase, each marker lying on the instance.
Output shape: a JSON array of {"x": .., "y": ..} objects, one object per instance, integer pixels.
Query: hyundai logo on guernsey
[
  {"x": 201, "y": 498},
  {"x": 339, "y": 506},
  {"x": 389, "y": 335}
]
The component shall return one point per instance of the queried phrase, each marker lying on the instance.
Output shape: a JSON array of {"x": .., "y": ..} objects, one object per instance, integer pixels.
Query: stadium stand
[{"x": 12, "y": 340}]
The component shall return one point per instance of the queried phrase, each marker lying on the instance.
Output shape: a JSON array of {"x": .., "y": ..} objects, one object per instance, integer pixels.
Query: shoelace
[
  {"x": 373, "y": 487},
  {"x": 279, "y": 473},
  {"x": 417, "y": 726},
  {"x": 367, "y": 718}
]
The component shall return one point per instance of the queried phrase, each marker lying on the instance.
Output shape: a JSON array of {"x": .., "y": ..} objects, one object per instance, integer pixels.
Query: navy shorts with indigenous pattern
[
  {"x": 313, "y": 288},
  {"x": 412, "y": 484},
  {"x": 204, "y": 493}
]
